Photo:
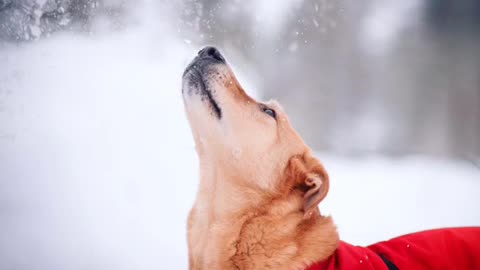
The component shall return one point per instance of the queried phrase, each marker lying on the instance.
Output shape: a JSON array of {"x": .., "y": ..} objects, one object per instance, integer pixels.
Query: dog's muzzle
[{"x": 197, "y": 74}]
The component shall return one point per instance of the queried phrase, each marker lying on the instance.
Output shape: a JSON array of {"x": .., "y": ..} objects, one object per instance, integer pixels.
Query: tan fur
[{"x": 256, "y": 206}]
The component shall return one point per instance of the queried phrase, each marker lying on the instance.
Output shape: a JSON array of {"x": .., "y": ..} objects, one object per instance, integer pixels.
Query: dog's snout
[{"x": 211, "y": 52}]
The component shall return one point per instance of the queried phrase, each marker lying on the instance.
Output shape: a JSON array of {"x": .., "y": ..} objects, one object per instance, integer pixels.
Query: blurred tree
[
  {"x": 455, "y": 28},
  {"x": 24, "y": 20},
  {"x": 454, "y": 15}
]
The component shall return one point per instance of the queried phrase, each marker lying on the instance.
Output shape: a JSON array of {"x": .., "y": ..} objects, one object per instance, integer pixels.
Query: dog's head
[{"x": 250, "y": 141}]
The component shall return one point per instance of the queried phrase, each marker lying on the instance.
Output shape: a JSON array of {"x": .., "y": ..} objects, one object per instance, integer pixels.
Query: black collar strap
[{"x": 390, "y": 265}]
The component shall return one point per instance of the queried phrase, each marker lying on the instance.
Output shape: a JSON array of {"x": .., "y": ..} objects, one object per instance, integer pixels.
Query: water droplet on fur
[{"x": 236, "y": 152}]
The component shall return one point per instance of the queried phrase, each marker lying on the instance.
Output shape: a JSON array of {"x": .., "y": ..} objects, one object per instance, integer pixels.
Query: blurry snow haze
[{"x": 97, "y": 164}]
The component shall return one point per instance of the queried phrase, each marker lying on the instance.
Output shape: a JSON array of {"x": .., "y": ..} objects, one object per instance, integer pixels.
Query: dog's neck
[{"x": 235, "y": 227}]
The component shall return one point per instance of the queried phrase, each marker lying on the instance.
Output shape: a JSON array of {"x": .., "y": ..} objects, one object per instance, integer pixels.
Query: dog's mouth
[
  {"x": 196, "y": 84},
  {"x": 197, "y": 75}
]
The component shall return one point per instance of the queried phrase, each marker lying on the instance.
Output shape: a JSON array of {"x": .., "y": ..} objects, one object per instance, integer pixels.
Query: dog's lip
[{"x": 194, "y": 72}]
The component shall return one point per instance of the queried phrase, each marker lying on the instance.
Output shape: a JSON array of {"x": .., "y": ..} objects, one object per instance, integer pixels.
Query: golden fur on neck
[{"x": 258, "y": 230}]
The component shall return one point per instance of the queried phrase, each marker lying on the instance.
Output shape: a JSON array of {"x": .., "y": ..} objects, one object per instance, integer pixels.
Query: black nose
[{"x": 211, "y": 52}]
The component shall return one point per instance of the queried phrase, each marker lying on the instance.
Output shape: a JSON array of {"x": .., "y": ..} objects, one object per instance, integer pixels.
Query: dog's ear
[
  {"x": 311, "y": 178},
  {"x": 317, "y": 189}
]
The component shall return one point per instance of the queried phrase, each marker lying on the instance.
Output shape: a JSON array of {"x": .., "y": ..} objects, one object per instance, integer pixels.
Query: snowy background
[{"x": 97, "y": 164}]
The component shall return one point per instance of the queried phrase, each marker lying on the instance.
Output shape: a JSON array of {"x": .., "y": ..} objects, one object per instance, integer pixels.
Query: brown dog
[
  {"x": 260, "y": 186},
  {"x": 256, "y": 207}
]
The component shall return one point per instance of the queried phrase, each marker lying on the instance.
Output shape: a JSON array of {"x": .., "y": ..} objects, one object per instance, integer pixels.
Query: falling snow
[{"x": 94, "y": 140}]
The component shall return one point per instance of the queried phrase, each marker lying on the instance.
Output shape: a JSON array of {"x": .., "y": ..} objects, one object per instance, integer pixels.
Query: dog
[{"x": 260, "y": 187}]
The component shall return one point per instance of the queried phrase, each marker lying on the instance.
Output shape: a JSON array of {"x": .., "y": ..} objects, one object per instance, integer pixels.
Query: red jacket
[{"x": 453, "y": 248}]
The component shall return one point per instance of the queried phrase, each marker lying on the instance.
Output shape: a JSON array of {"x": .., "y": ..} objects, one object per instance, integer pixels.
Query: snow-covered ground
[{"x": 98, "y": 169}]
